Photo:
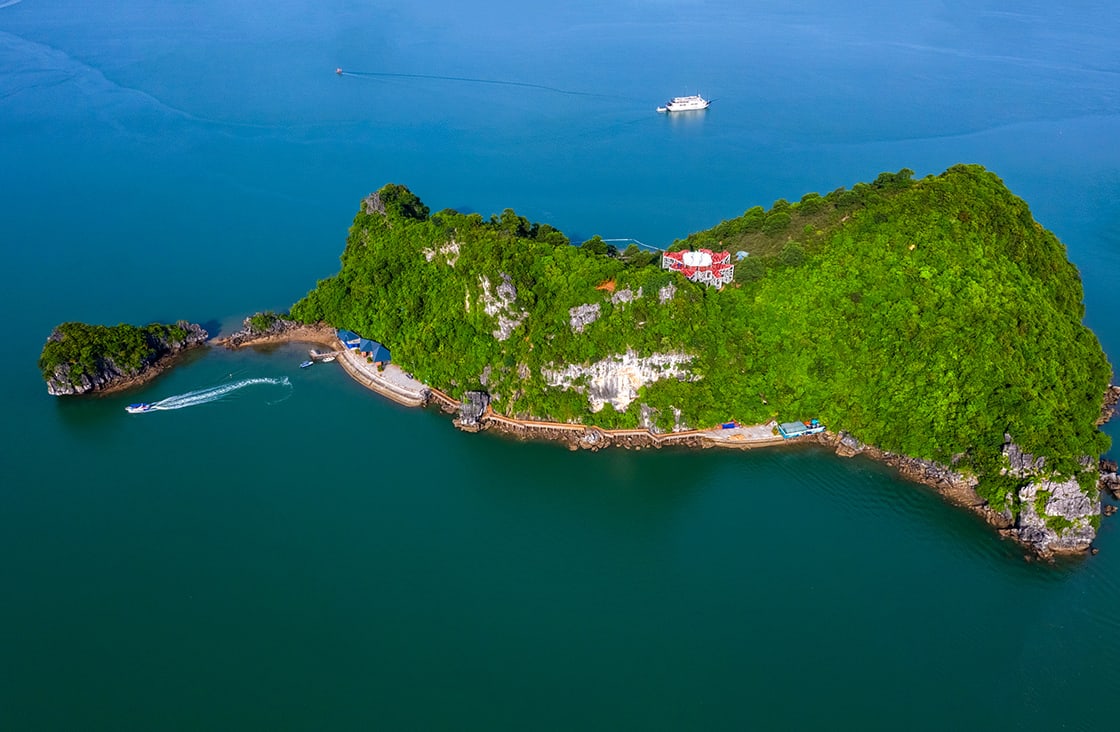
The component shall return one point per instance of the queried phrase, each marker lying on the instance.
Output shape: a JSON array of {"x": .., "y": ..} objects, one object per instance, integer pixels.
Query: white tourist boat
[
  {"x": 139, "y": 408},
  {"x": 691, "y": 103}
]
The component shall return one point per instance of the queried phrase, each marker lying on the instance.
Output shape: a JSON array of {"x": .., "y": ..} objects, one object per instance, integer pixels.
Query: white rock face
[
  {"x": 625, "y": 296},
  {"x": 665, "y": 294},
  {"x": 449, "y": 252},
  {"x": 582, "y": 316},
  {"x": 616, "y": 379},
  {"x": 500, "y": 305},
  {"x": 1064, "y": 500}
]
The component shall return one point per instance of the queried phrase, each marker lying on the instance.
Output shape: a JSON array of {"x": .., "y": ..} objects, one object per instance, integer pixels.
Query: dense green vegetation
[
  {"x": 261, "y": 322},
  {"x": 85, "y": 347},
  {"x": 928, "y": 317}
]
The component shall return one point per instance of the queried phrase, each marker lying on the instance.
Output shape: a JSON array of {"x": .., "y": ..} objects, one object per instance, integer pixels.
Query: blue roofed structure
[
  {"x": 375, "y": 350},
  {"x": 789, "y": 430},
  {"x": 349, "y": 338}
]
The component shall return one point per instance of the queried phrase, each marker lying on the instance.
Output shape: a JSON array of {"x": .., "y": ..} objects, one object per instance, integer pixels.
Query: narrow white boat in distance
[
  {"x": 691, "y": 103},
  {"x": 139, "y": 408}
]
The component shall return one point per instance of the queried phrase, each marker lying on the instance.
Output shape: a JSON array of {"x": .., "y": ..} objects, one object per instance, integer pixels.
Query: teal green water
[{"x": 314, "y": 557}]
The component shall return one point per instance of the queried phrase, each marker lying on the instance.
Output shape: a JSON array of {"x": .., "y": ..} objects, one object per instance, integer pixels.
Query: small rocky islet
[{"x": 80, "y": 359}]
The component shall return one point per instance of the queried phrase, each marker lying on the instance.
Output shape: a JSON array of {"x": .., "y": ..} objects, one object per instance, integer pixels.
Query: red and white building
[{"x": 712, "y": 268}]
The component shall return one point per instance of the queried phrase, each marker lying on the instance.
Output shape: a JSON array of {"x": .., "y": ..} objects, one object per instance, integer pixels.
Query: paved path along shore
[
  {"x": 392, "y": 382},
  {"x": 743, "y": 436},
  {"x": 388, "y": 380}
]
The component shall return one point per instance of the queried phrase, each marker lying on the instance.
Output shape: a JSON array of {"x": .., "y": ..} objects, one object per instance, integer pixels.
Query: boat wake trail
[
  {"x": 465, "y": 79},
  {"x": 213, "y": 393}
]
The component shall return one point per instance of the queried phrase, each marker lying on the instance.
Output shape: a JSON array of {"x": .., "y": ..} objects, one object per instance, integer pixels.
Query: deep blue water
[{"x": 317, "y": 558}]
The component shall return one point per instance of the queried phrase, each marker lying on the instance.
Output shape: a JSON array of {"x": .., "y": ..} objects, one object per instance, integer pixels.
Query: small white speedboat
[{"x": 139, "y": 408}]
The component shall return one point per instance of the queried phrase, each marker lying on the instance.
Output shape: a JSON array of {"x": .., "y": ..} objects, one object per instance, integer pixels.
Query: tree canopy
[
  {"x": 84, "y": 348},
  {"x": 927, "y": 317}
]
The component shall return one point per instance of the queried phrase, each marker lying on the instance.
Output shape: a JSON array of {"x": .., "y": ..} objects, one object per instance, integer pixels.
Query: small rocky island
[{"x": 79, "y": 358}]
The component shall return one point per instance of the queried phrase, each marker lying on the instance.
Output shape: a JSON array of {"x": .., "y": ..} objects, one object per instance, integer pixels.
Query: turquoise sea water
[{"x": 313, "y": 557}]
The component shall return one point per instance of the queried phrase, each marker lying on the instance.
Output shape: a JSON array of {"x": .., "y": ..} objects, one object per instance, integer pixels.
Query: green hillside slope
[{"x": 926, "y": 317}]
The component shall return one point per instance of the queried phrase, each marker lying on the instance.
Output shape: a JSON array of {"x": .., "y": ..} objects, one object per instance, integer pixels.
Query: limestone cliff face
[
  {"x": 107, "y": 374},
  {"x": 615, "y": 380},
  {"x": 499, "y": 303},
  {"x": 1064, "y": 523},
  {"x": 1055, "y": 514}
]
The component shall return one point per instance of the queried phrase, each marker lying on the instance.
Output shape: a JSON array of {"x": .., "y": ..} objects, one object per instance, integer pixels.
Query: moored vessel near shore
[
  {"x": 789, "y": 430},
  {"x": 139, "y": 408},
  {"x": 691, "y": 103}
]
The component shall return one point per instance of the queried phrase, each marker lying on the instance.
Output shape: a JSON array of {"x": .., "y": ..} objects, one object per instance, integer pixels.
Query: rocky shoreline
[
  {"x": 1029, "y": 529},
  {"x": 474, "y": 415},
  {"x": 279, "y": 330},
  {"x": 109, "y": 378}
]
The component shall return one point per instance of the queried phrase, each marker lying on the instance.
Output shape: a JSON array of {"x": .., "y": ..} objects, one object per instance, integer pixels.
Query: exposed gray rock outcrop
[
  {"x": 449, "y": 252},
  {"x": 1065, "y": 521},
  {"x": 1111, "y": 405},
  {"x": 499, "y": 303},
  {"x": 472, "y": 408},
  {"x": 666, "y": 293},
  {"x": 1110, "y": 481},
  {"x": 625, "y": 295},
  {"x": 373, "y": 204},
  {"x": 265, "y": 325},
  {"x": 582, "y": 316},
  {"x": 615, "y": 380},
  {"x": 1056, "y": 514}
]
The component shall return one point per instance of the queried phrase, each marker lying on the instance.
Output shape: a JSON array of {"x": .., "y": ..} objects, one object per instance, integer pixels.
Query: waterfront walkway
[
  {"x": 392, "y": 382},
  {"x": 389, "y": 381},
  {"x": 747, "y": 436}
]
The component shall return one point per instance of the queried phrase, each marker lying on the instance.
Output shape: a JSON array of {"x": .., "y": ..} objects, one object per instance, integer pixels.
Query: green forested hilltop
[
  {"x": 82, "y": 347},
  {"x": 79, "y": 358},
  {"x": 926, "y": 317}
]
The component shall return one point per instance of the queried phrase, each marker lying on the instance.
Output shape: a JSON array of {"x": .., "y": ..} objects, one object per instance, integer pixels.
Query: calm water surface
[{"x": 312, "y": 557}]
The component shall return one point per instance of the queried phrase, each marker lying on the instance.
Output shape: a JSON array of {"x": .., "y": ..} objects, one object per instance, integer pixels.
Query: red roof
[{"x": 716, "y": 270}]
